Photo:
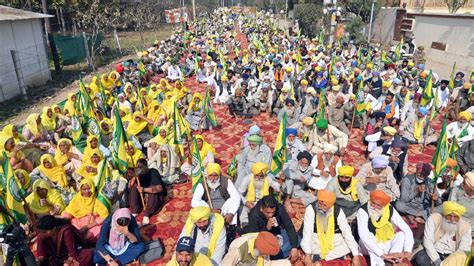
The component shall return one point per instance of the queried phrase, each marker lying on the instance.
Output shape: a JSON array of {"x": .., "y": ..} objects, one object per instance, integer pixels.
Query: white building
[{"x": 22, "y": 31}]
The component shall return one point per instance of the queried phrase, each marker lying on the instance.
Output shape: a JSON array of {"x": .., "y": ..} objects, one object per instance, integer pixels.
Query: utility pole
[
  {"x": 194, "y": 9},
  {"x": 371, "y": 20}
]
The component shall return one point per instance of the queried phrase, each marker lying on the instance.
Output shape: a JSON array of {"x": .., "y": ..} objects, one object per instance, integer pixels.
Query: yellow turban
[
  {"x": 213, "y": 168},
  {"x": 334, "y": 81},
  {"x": 345, "y": 170},
  {"x": 326, "y": 197},
  {"x": 390, "y": 130},
  {"x": 411, "y": 63},
  {"x": 308, "y": 121},
  {"x": 466, "y": 115},
  {"x": 467, "y": 85},
  {"x": 224, "y": 78},
  {"x": 352, "y": 96},
  {"x": 199, "y": 213},
  {"x": 289, "y": 69},
  {"x": 386, "y": 84},
  {"x": 369, "y": 66},
  {"x": 259, "y": 167},
  {"x": 304, "y": 82},
  {"x": 452, "y": 207}
]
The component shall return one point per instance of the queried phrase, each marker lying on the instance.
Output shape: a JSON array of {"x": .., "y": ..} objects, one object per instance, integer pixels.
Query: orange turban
[
  {"x": 379, "y": 196},
  {"x": 327, "y": 197},
  {"x": 452, "y": 163},
  {"x": 267, "y": 244}
]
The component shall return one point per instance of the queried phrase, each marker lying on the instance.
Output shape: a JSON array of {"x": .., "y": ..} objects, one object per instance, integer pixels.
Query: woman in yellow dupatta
[
  {"x": 89, "y": 168},
  {"x": 34, "y": 131},
  {"x": 18, "y": 159},
  {"x": 125, "y": 115},
  {"x": 92, "y": 147},
  {"x": 69, "y": 109},
  {"x": 94, "y": 85},
  {"x": 168, "y": 103},
  {"x": 154, "y": 92},
  {"x": 180, "y": 90},
  {"x": 12, "y": 131},
  {"x": 137, "y": 124},
  {"x": 67, "y": 156},
  {"x": 86, "y": 213},
  {"x": 161, "y": 138},
  {"x": 156, "y": 114},
  {"x": 45, "y": 200},
  {"x": 206, "y": 151},
  {"x": 133, "y": 155},
  {"x": 50, "y": 169},
  {"x": 24, "y": 179},
  {"x": 106, "y": 82},
  {"x": 130, "y": 94},
  {"x": 164, "y": 86},
  {"x": 48, "y": 119},
  {"x": 115, "y": 77}
]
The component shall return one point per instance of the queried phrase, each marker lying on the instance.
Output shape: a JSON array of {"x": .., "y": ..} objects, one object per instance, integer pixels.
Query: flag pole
[
  {"x": 206, "y": 189},
  {"x": 353, "y": 117}
]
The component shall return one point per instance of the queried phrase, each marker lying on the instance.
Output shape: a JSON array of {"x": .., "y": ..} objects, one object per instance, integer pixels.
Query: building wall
[
  {"x": 25, "y": 37},
  {"x": 384, "y": 25},
  {"x": 436, "y": 6},
  {"x": 456, "y": 31}
]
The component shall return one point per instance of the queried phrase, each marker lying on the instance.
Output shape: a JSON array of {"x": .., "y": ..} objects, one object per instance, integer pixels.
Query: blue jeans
[
  {"x": 285, "y": 249},
  {"x": 133, "y": 252}
]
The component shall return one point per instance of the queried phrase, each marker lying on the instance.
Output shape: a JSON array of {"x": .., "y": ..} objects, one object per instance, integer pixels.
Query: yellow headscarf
[
  {"x": 107, "y": 84},
  {"x": 137, "y": 154},
  {"x": 164, "y": 85},
  {"x": 56, "y": 173},
  {"x": 53, "y": 197},
  {"x": 31, "y": 124},
  {"x": 127, "y": 117},
  {"x": 69, "y": 105},
  {"x": 135, "y": 127},
  {"x": 168, "y": 103},
  {"x": 158, "y": 139},
  {"x": 179, "y": 93},
  {"x": 89, "y": 151},
  {"x": 130, "y": 94},
  {"x": 81, "y": 206},
  {"x": 206, "y": 148},
  {"x": 326, "y": 238},
  {"x": 27, "y": 177},
  {"x": 8, "y": 131},
  {"x": 82, "y": 170},
  {"x": 154, "y": 92},
  {"x": 204, "y": 212},
  {"x": 60, "y": 158},
  {"x": 383, "y": 227},
  {"x": 94, "y": 86},
  {"x": 49, "y": 123},
  {"x": 193, "y": 105},
  {"x": 258, "y": 168},
  {"x": 109, "y": 123}
]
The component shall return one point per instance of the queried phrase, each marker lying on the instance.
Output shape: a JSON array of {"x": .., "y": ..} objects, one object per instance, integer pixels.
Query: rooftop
[{"x": 9, "y": 13}]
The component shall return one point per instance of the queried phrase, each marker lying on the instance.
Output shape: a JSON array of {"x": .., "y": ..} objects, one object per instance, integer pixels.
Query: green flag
[
  {"x": 208, "y": 110},
  {"x": 398, "y": 49},
  {"x": 119, "y": 155},
  {"x": 280, "y": 153},
  {"x": 197, "y": 171},
  {"x": 440, "y": 158},
  {"x": 100, "y": 181},
  {"x": 428, "y": 93},
  {"x": 14, "y": 192}
]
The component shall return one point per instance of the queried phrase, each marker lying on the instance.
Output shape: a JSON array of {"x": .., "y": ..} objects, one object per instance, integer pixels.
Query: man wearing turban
[
  {"x": 293, "y": 144},
  {"x": 325, "y": 163},
  {"x": 254, "y": 187},
  {"x": 390, "y": 107},
  {"x": 447, "y": 237},
  {"x": 350, "y": 194},
  {"x": 208, "y": 230},
  {"x": 464, "y": 193},
  {"x": 414, "y": 128},
  {"x": 256, "y": 151},
  {"x": 297, "y": 174},
  {"x": 376, "y": 175},
  {"x": 376, "y": 224},
  {"x": 461, "y": 129},
  {"x": 326, "y": 232},
  {"x": 291, "y": 111},
  {"x": 417, "y": 194},
  {"x": 397, "y": 154},
  {"x": 336, "y": 114},
  {"x": 224, "y": 197},
  {"x": 254, "y": 249},
  {"x": 325, "y": 133}
]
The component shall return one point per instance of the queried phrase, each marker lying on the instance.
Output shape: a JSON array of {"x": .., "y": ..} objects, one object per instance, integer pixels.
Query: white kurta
[{"x": 402, "y": 241}]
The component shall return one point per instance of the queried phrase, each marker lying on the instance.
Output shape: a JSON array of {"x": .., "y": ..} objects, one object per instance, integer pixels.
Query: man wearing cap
[
  {"x": 208, "y": 230},
  {"x": 325, "y": 133},
  {"x": 254, "y": 187},
  {"x": 254, "y": 249},
  {"x": 417, "y": 194},
  {"x": 447, "y": 237},
  {"x": 376, "y": 175},
  {"x": 350, "y": 194},
  {"x": 326, "y": 232},
  {"x": 336, "y": 114},
  {"x": 464, "y": 194},
  {"x": 376, "y": 224},
  {"x": 224, "y": 197},
  {"x": 270, "y": 216},
  {"x": 185, "y": 255},
  {"x": 293, "y": 145},
  {"x": 461, "y": 129},
  {"x": 256, "y": 151},
  {"x": 297, "y": 176},
  {"x": 397, "y": 154},
  {"x": 414, "y": 128}
]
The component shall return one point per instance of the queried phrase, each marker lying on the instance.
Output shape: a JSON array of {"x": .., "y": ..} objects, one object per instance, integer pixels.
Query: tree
[
  {"x": 455, "y": 5},
  {"x": 96, "y": 17},
  {"x": 354, "y": 28},
  {"x": 140, "y": 16},
  {"x": 361, "y": 8},
  {"x": 307, "y": 16}
]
